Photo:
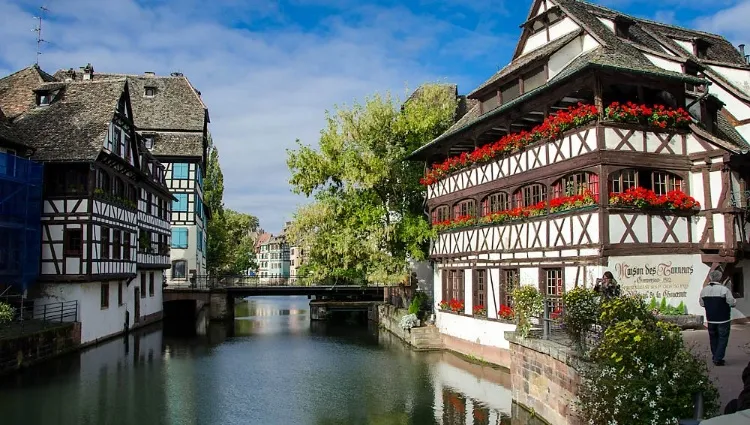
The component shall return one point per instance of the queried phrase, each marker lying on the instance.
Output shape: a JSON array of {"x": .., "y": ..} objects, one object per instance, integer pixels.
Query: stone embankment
[{"x": 423, "y": 338}]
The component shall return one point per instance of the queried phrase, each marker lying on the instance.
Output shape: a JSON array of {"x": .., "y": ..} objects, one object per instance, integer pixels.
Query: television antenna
[{"x": 38, "y": 31}]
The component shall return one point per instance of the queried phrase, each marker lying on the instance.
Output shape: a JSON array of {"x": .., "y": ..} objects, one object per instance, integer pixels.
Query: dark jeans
[{"x": 718, "y": 334}]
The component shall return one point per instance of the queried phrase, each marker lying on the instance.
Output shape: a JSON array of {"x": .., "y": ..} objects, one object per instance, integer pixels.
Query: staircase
[{"x": 426, "y": 338}]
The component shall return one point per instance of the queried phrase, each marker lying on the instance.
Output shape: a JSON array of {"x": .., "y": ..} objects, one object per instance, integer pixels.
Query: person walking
[{"x": 718, "y": 302}]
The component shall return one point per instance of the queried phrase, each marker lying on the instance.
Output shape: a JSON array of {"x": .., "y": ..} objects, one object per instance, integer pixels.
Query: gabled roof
[
  {"x": 73, "y": 127},
  {"x": 177, "y": 144},
  {"x": 16, "y": 90},
  {"x": 522, "y": 61},
  {"x": 176, "y": 105},
  {"x": 10, "y": 135}
]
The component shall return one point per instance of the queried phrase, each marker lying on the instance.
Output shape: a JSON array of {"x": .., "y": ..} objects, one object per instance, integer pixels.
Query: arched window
[
  {"x": 663, "y": 182},
  {"x": 464, "y": 208},
  {"x": 529, "y": 195},
  {"x": 495, "y": 203},
  {"x": 440, "y": 214},
  {"x": 576, "y": 184},
  {"x": 622, "y": 180}
]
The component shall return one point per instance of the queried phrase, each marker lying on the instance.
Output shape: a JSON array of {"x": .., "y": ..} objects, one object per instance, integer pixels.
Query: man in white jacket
[{"x": 718, "y": 301}]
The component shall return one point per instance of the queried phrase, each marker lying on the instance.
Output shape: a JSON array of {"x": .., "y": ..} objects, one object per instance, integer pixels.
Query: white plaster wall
[
  {"x": 742, "y": 309},
  {"x": 560, "y": 59},
  {"x": 744, "y": 131},
  {"x": 150, "y": 304},
  {"x": 695, "y": 284},
  {"x": 484, "y": 332},
  {"x": 739, "y": 77},
  {"x": 189, "y": 254},
  {"x": 685, "y": 45},
  {"x": 589, "y": 42},
  {"x": 468, "y": 295},
  {"x": 697, "y": 189},
  {"x": 738, "y": 108},
  {"x": 95, "y": 322},
  {"x": 562, "y": 27},
  {"x": 664, "y": 63},
  {"x": 529, "y": 276},
  {"x": 608, "y": 23}
]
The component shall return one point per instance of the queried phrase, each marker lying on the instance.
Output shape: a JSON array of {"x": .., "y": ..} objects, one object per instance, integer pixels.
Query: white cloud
[
  {"x": 264, "y": 89},
  {"x": 730, "y": 22}
]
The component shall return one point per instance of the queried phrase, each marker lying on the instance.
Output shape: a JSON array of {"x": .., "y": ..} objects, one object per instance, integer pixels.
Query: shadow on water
[{"x": 271, "y": 365}]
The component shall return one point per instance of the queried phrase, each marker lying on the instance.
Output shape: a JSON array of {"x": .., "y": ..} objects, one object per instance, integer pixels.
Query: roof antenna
[{"x": 38, "y": 30}]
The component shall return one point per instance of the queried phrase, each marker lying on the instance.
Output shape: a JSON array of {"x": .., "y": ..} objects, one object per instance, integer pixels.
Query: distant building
[
  {"x": 297, "y": 257},
  {"x": 273, "y": 259}
]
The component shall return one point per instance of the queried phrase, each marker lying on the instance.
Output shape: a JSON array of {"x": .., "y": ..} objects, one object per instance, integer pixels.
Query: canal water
[{"x": 273, "y": 366}]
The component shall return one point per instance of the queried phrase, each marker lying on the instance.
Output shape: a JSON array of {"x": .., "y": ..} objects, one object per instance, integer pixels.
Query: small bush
[
  {"x": 409, "y": 321},
  {"x": 581, "y": 313},
  {"x": 6, "y": 313},
  {"x": 620, "y": 309},
  {"x": 527, "y": 303}
]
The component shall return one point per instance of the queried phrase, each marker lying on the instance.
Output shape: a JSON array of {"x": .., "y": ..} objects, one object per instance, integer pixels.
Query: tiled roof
[
  {"x": 522, "y": 61},
  {"x": 177, "y": 144},
  {"x": 9, "y": 134},
  {"x": 729, "y": 132},
  {"x": 73, "y": 127},
  {"x": 16, "y": 90}
]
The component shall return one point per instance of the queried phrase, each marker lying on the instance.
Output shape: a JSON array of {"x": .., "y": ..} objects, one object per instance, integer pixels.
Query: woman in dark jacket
[{"x": 607, "y": 285}]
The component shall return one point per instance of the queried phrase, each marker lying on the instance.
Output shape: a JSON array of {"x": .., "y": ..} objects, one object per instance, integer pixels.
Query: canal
[{"x": 273, "y": 366}]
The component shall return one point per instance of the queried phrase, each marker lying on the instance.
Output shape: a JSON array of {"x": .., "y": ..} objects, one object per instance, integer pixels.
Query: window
[
  {"x": 440, "y": 214},
  {"x": 576, "y": 184},
  {"x": 464, "y": 208},
  {"x": 738, "y": 283},
  {"x": 178, "y": 269},
  {"x": 43, "y": 99},
  {"x": 622, "y": 180},
  {"x": 117, "y": 139},
  {"x": 105, "y": 242},
  {"x": 119, "y": 293},
  {"x": 509, "y": 284},
  {"x": 105, "y": 296},
  {"x": 148, "y": 141},
  {"x": 495, "y": 203},
  {"x": 200, "y": 240},
  {"x": 68, "y": 179},
  {"x": 143, "y": 285},
  {"x": 126, "y": 147},
  {"x": 151, "y": 284},
  {"x": 181, "y": 203},
  {"x": 126, "y": 245},
  {"x": 198, "y": 207},
  {"x": 530, "y": 195},
  {"x": 553, "y": 287},
  {"x": 102, "y": 181},
  {"x": 700, "y": 48},
  {"x": 148, "y": 203},
  {"x": 622, "y": 28},
  {"x": 180, "y": 170},
  {"x": 73, "y": 241},
  {"x": 479, "y": 288},
  {"x": 453, "y": 285},
  {"x": 663, "y": 182},
  {"x": 199, "y": 175},
  {"x": 179, "y": 237},
  {"x": 118, "y": 187},
  {"x": 116, "y": 244},
  {"x": 510, "y": 92},
  {"x": 150, "y": 91}
]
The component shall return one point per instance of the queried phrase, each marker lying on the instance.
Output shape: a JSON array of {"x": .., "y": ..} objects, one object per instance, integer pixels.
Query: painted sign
[{"x": 653, "y": 276}]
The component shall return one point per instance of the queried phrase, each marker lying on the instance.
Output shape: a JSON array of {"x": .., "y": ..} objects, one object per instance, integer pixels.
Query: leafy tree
[
  {"x": 367, "y": 217},
  {"x": 240, "y": 243}
]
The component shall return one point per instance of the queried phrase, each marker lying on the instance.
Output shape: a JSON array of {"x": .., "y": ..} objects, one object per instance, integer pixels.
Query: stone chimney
[
  {"x": 742, "y": 52},
  {"x": 70, "y": 75},
  {"x": 88, "y": 72}
]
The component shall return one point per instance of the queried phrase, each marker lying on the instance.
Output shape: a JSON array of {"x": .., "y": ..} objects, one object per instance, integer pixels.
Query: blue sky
[{"x": 268, "y": 70}]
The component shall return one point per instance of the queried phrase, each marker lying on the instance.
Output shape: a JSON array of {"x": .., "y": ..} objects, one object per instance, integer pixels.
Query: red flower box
[{"x": 640, "y": 197}]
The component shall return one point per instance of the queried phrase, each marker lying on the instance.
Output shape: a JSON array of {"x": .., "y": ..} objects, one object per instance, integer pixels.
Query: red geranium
[
  {"x": 505, "y": 312},
  {"x": 643, "y": 198}
]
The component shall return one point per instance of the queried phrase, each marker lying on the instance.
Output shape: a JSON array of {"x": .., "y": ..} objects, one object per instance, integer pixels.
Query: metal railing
[
  {"x": 39, "y": 316},
  {"x": 235, "y": 281}
]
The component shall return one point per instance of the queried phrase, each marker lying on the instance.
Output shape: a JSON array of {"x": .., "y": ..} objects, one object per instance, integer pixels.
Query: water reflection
[{"x": 272, "y": 367}]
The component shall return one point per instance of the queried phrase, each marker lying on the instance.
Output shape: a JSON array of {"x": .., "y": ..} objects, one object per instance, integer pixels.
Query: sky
[{"x": 268, "y": 70}]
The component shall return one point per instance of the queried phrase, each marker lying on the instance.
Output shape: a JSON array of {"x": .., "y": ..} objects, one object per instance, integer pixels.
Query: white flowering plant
[
  {"x": 527, "y": 303},
  {"x": 581, "y": 313},
  {"x": 642, "y": 373},
  {"x": 409, "y": 321}
]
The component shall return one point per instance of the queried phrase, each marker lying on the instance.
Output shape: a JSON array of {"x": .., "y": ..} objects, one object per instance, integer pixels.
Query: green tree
[
  {"x": 229, "y": 245},
  {"x": 367, "y": 217}
]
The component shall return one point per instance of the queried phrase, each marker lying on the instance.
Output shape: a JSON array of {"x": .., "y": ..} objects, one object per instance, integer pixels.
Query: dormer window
[
  {"x": 700, "y": 48},
  {"x": 148, "y": 141},
  {"x": 43, "y": 99},
  {"x": 622, "y": 27},
  {"x": 150, "y": 91}
]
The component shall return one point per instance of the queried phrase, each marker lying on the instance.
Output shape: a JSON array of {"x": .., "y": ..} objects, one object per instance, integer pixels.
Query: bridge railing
[{"x": 235, "y": 281}]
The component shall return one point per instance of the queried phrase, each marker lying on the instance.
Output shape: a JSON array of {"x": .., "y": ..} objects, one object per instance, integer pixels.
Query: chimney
[
  {"x": 742, "y": 52},
  {"x": 88, "y": 72},
  {"x": 149, "y": 73},
  {"x": 70, "y": 75},
  {"x": 176, "y": 74}
]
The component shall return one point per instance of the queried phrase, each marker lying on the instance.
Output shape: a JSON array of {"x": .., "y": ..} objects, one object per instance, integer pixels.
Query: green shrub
[
  {"x": 6, "y": 312},
  {"x": 581, "y": 313},
  {"x": 632, "y": 342},
  {"x": 527, "y": 303},
  {"x": 420, "y": 305},
  {"x": 620, "y": 309}
]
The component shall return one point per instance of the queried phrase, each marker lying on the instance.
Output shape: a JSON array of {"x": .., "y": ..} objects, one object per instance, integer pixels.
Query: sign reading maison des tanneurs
[{"x": 653, "y": 276}]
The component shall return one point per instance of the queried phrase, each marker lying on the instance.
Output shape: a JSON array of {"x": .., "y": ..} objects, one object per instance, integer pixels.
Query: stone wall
[
  {"x": 29, "y": 346},
  {"x": 423, "y": 338},
  {"x": 544, "y": 378}
]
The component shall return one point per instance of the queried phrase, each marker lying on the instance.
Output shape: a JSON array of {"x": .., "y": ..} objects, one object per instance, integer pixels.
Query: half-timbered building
[
  {"x": 172, "y": 119},
  {"x": 96, "y": 173},
  {"x": 609, "y": 143}
]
